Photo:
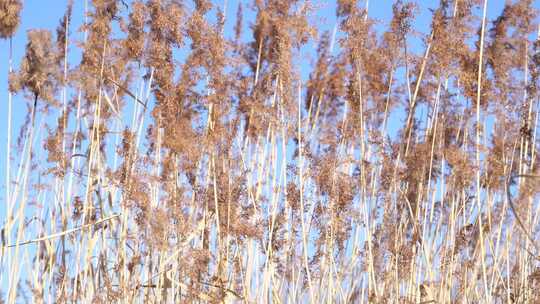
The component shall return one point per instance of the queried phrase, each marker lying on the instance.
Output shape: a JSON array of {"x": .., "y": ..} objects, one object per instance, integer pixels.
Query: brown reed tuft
[
  {"x": 9, "y": 17},
  {"x": 38, "y": 73}
]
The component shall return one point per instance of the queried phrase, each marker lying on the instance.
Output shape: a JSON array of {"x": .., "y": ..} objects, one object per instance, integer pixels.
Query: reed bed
[{"x": 194, "y": 155}]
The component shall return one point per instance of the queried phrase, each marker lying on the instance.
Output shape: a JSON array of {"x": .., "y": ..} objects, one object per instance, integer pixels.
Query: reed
[{"x": 195, "y": 154}]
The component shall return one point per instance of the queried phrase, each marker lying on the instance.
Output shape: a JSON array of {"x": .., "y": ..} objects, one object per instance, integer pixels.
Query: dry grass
[{"x": 220, "y": 176}]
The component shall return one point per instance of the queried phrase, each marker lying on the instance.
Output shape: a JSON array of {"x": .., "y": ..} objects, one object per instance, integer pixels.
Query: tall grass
[{"x": 188, "y": 158}]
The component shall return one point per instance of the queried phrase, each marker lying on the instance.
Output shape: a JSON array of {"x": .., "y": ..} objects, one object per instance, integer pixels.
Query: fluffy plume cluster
[
  {"x": 9, "y": 17},
  {"x": 38, "y": 73}
]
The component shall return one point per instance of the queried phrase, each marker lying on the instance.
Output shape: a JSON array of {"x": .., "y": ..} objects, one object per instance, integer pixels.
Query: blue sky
[{"x": 46, "y": 14}]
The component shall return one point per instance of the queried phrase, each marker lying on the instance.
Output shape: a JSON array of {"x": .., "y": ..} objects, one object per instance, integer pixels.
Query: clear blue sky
[{"x": 46, "y": 14}]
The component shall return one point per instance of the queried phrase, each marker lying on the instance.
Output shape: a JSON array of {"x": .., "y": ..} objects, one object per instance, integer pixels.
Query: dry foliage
[{"x": 185, "y": 161}]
